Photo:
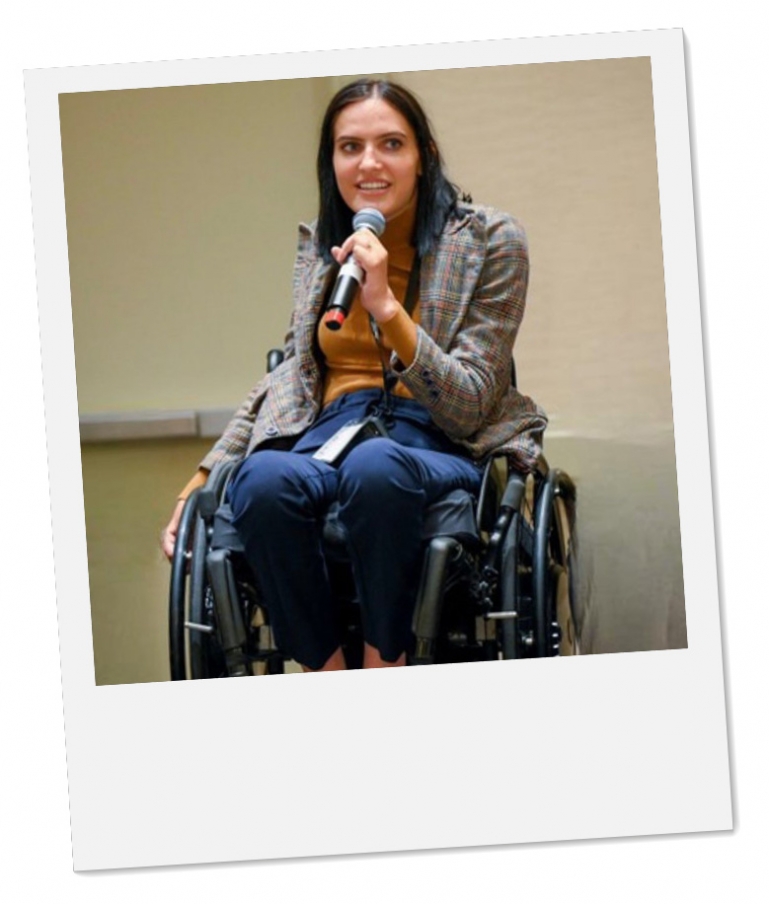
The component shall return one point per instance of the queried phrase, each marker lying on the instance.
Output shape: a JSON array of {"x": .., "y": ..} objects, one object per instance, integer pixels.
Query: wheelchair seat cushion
[{"x": 451, "y": 516}]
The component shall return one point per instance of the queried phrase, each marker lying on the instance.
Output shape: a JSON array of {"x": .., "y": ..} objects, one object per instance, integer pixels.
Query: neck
[{"x": 400, "y": 229}]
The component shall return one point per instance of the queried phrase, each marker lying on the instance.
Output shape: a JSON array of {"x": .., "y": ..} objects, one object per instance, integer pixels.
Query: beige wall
[
  {"x": 182, "y": 205},
  {"x": 569, "y": 149},
  {"x": 182, "y": 208}
]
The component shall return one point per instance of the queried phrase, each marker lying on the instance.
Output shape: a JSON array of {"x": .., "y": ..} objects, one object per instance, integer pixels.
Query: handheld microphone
[{"x": 350, "y": 274}]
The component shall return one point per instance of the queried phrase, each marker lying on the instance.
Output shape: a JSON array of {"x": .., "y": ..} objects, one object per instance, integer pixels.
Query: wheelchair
[{"x": 498, "y": 578}]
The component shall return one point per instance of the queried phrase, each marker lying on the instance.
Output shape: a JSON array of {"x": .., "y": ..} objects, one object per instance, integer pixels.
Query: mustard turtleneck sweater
[{"x": 353, "y": 359}]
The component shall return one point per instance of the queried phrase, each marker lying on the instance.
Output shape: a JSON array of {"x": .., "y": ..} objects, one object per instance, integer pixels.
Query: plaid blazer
[{"x": 472, "y": 294}]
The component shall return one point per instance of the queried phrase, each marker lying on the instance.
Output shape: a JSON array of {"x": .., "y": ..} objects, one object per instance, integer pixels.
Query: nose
[{"x": 369, "y": 159}]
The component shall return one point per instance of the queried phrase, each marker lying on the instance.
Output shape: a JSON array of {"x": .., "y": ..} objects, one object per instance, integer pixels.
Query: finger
[
  {"x": 346, "y": 248},
  {"x": 367, "y": 234},
  {"x": 363, "y": 240},
  {"x": 367, "y": 240}
]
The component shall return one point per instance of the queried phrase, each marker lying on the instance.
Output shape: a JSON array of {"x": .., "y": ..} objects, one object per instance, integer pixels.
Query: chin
[{"x": 378, "y": 203}]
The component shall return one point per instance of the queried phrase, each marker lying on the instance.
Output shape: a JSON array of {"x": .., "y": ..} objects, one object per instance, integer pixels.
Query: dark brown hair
[{"x": 436, "y": 196}]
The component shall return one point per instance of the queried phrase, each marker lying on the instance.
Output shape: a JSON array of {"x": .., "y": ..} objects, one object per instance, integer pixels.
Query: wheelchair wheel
[
  {"x": 204, "y": 656},
  {"x": 537, "y": 567},
  {"x": 563, "y": 577},
  {"x": 179, "y": 589},
  {"x": 510, "y": 640},
  {"x": 192, "y": 640},
  {"x": 554, "y": 565}
]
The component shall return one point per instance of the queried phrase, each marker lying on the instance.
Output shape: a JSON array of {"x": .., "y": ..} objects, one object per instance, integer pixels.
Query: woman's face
[{"x": 376, "y": 158}]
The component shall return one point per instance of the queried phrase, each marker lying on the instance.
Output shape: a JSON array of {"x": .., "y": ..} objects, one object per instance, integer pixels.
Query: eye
[
  {"x": 393, "y": 144},
  {"x": 348, "y": 147}
]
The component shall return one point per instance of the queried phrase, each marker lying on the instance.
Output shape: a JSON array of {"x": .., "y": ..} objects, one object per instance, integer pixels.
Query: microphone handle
[{"x": 347, "y": 284}]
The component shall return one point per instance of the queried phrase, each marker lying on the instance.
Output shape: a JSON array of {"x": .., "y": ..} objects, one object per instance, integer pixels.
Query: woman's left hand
[{"x": 371, "y": 255}]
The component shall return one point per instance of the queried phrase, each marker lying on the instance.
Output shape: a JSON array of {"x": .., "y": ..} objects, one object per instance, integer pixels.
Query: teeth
[{"x": 373, "y": 185}]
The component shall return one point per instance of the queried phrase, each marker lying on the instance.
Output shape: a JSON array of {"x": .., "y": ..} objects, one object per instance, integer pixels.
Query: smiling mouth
[{"x": 373, "y": 186}]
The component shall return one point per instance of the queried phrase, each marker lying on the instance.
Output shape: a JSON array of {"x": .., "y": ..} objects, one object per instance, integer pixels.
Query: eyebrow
[{"x": 383, "y": 135}]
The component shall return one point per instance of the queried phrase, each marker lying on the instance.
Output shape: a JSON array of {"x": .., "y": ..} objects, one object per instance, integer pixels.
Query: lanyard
[{"x": 389, "y": 377}]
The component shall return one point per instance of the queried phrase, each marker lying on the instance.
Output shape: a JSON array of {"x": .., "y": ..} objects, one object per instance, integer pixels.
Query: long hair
[{"x": 436, "y": 196}]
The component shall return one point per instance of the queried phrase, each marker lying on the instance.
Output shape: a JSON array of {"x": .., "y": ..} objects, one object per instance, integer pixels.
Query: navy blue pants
[{"x": 383, "y": 486}]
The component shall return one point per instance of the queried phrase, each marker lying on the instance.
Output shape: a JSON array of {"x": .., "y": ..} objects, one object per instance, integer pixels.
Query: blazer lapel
[
  {"x": 449, "y": 275},
  {"x": 318, "y": 278}
]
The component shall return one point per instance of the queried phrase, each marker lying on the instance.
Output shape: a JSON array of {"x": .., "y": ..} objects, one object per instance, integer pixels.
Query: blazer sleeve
[{"x": 462, "y": 386}]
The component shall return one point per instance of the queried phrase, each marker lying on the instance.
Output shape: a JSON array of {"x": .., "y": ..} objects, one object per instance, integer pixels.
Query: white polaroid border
[{"x": 393, "y": 760}]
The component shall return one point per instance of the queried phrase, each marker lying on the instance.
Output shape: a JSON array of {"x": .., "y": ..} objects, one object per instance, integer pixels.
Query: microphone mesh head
[{"x": 369, "y": 218}]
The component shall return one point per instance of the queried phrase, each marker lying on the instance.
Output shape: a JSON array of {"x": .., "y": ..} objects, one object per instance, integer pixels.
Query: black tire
[
  {"x": 542, "y": 560},
  {"x": 206, "y": 659},
  {"x": 563, "y": 569},
  {"x": 177, "y": 597},
  {"x": 201, "y": 643},
  {"x": 195, "y": 653},
  {"x": 510, "y": 590},
  {"x": 554, "y": 561}
]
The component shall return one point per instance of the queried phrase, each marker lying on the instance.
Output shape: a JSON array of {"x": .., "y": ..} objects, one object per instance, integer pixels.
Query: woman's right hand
[
  {"x": 370, "y": 254},
  {"x": 168, "y": 537}
]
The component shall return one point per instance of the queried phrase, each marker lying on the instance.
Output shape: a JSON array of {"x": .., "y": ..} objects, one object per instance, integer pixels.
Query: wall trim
[{"x": 132, "y": 425}]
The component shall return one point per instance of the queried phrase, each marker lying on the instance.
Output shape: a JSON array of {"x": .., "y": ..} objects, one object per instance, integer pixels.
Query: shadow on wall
[{"x": 630, "y": 580}]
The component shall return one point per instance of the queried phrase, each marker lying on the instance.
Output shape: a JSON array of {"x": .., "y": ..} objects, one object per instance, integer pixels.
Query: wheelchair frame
[{"x": 510, "y": 596}]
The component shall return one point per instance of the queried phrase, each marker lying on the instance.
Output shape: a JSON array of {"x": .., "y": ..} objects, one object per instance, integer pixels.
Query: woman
[{"x": 427, "y": 347}]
